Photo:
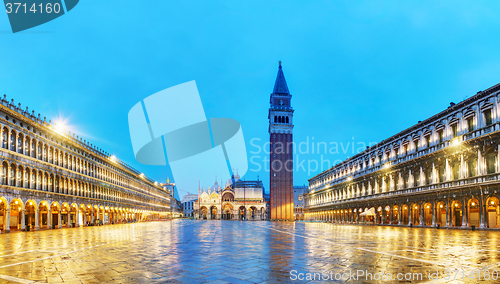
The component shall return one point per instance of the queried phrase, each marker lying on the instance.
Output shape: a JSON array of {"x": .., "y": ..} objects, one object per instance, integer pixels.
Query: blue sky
[{"x": 358, "y": 71}]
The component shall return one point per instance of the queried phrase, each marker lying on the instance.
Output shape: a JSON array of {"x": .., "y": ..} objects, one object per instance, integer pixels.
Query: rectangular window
[
  {"x": 428, "y": 140},
  {"x": 441, "y": 136},
  {"x": 456, "y": 171},
  {"x": 470, "y": 123},
  {"x": 454, "y": 130},
  {"x": 487, "y": 117},
  {"x": 416, "y": 145},
  {"x": 490, "y": 163}
]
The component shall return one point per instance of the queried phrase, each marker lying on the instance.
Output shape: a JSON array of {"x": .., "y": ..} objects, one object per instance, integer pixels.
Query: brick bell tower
[{"x": 281, "y": 161}]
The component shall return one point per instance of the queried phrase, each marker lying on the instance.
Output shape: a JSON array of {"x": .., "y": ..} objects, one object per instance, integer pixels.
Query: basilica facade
[
  {"x": 442, "y": 172},
  {"x": 236, "y": 200},
  {"x": 51, "y": 179}
]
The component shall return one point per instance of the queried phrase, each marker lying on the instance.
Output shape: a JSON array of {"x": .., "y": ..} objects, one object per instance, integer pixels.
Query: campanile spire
[{"x": 281, "y": 152}]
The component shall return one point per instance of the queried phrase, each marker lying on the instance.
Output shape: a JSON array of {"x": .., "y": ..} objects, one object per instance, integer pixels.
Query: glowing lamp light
[
  {"x": 16, "y": 202},
  {"x": 31, "y": 203},
  {"x": 441, "y": 206},
  {"x": 416, "y": 207},
  {"x": 455, "y": 142},
  {"x": 473, "y": 204},
  {"x": 428, "y": 206},
  {"x": 492, "y": 202},
  {"x": 456, "y": 205}
]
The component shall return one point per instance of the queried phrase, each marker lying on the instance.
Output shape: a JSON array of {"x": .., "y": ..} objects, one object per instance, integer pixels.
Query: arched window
[
  {"x": 13, "y": 141},
  {"x": 39, "y": 151},
  {"x": 287, "y": 121},
  {"x": 279, "y": 119},
  {"x": 33, "y": 148},
  {"x": 20, "y": 144},
  {"x": 27, "y": 146},
  {"x": 12, "y": 175},
  {"x": 4, "y": 138},
  {"x": 275, "y": 119}
]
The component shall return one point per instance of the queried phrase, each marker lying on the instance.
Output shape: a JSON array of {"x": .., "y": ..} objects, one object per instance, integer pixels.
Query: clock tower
[{"x": 281, "y": 144}]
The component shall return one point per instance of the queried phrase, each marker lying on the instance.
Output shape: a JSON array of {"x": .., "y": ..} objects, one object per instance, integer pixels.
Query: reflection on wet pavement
[{"x": 191, "y": 251}]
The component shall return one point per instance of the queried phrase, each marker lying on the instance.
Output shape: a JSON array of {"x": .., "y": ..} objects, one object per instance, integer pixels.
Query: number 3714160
[{"x": 34, "y": 8}]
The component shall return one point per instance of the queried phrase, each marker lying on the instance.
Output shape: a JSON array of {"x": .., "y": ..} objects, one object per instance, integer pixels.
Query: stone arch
[
  {"x": 441, "y": 213},
  {"x": 427, "y": 210},
  {"x": 43, "y": 213},
  {"x": 456, "y": 213},
  {"x": 492, "y": 219},
  {"x": 473, "y": 208}
]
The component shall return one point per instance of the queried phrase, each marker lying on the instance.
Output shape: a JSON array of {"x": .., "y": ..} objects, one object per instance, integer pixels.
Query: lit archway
[
  {"x": 473, "y": 210},
  {"x": 441, "y": 214},
  {"x": 456, "y": 214},
  {"x": 427, "y": 214}
]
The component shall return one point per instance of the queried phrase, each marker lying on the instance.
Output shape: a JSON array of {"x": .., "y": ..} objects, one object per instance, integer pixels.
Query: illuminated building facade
[
  {"x": 234, "y": 201},
  {"x": 281, "y": 152},
  {"x": 50, "y": 179},
  {"x": 188, "y": 202},
  {"x": 298, "y": 201},
  {"x": 442, "y": 171}
]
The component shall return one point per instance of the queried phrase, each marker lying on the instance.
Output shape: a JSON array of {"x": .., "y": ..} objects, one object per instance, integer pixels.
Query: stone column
[
  {"x": 421, "y": 210},
  {"x": 400, "y": 214},
  {"x": 37, "y": 218},
  {"x": 434, "y": 205},
  {"x": 23, "y": 221},
  {"x": 59, "y": 219},
  {"x": 447, "y": 213},
  {"x": 410, "y": 214},
  {"x": 49, "y": 217},
  {"x": 464, "y": 214},
  {"x": 7, "y": 220},
  {"x": 77, "y": 211},
  {"x": 92, "y": 215},
  {"x": 482, "y": 212}
]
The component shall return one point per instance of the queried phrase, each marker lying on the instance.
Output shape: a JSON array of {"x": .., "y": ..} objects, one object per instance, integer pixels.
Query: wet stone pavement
[{"x": 191, "y": 251}]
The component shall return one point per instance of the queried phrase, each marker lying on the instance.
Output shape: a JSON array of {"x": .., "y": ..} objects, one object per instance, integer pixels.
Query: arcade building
[
  {"x": 51, "y": 179},
  {"x": 443, "y": 171}
]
